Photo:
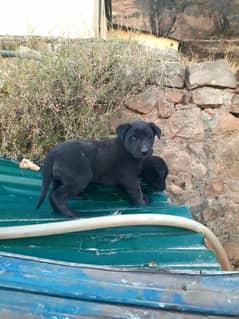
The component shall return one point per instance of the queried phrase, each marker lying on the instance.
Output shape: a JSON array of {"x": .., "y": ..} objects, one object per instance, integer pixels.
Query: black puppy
[
  {"x": 154, "y": 173},
  {"x": 72, "y": 165}
]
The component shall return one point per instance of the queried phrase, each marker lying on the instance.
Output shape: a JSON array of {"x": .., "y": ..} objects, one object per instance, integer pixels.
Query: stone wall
[{"x": 197, "y": 107}]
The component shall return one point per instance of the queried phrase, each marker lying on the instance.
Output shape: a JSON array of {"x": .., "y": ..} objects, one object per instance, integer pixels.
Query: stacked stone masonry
[{"x": 197, "y": 107}]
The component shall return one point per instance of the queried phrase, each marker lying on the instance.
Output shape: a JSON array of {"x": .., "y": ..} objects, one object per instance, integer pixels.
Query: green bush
[{"x": 69, "y": 93}]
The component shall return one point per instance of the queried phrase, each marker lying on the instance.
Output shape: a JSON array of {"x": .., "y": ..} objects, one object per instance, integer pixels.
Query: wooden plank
[
  {"x": 190, "y": 293},
  {"x": 24, "y": 305}
]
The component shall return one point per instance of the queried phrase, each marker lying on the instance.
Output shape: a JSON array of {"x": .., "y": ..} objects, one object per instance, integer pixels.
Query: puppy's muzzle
[{"x": 145, "y": 151}]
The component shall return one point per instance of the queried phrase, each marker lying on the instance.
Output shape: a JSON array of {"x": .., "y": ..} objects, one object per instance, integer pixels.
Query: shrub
[{"x": 68, "y": 94}]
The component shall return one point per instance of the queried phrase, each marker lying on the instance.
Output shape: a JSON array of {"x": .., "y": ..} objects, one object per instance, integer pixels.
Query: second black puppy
[
  {"x": 154, "y": 173},
  {"x": 72, "y": 165}
]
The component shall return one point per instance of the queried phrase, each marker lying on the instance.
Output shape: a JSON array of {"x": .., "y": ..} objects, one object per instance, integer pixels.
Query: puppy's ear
[
  {"x": 121, "y": 130},
  {"x": 156, "y": 129}
]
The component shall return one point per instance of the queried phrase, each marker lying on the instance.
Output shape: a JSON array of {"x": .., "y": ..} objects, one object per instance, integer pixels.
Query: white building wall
[{"x": 70, "y": 18}]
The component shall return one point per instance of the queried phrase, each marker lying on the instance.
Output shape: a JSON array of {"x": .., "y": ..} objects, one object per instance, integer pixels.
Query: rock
[
  {"x": 218, "y": 203},
  {"x": 215, "y": 187},
  {"x": 144, "y": 102},
  {"x": 233, "y": 185},
  {"x": 151, "y": 116},
  {"x": 232, "y": 249},
  {"x": 119, "y": 117},
  {"x": 175, "y": 189},
  {"x": 235, "y": 197},
  {"x": 210, "y": 118},
  {"x": 171, "y": 74},
  {"x": 183, "y": 179},
  {"x": 184, "y": 106},
  {"x": 210, "y": 73},
  {"x": 226, "y": 123},
  {"x": 236, "y": 90},
  {"x": 178, "y": 160},
  {"x": 131, "y": 75},
  {"x": 199, "y": 171},
  {"x": 237, "y": 75},
  {"x": 235, "y": 104},
  {"x": 209, "y": 214},
  {"x": 217, "y": 167},
  {"x": 187, "y": 124},
  {"x": 230, "y": 157},
  {"x": 186, "y": 198},
  {"x": 212, "y": 97},
  {"x": 174, "y": 95},
  {"x": 165, "y": 109},
  {"x": 179, "y": 186},
  {"x": 198, "y": 149}
]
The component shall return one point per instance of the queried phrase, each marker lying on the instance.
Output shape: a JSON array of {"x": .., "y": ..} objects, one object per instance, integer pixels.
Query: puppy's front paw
[
  {"x": 140, "y": 202},
  {"x": 72, "y": 214}
]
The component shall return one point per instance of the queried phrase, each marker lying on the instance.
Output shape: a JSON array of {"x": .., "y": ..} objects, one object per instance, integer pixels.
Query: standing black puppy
[{"x": 72, "y": 165}]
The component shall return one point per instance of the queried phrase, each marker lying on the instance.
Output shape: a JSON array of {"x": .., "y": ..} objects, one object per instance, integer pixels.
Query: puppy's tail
[{"x": 46, "y": 178}]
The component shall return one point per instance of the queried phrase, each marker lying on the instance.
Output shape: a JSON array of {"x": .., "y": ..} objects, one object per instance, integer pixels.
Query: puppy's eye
[
  {"x": 132, "y": 139},
  {"x": 150, "y": 136}
]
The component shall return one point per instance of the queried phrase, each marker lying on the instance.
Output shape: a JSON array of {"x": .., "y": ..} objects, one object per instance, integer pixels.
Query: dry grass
[
  {"x": 232, "y": 57},
  {"x": 68, "y": 94},
  {"x": 228, "y": 51}
]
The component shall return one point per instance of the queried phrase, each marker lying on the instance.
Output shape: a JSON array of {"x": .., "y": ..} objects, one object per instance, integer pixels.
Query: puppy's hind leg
[
  {"x": 55, "y": 185},
  {"x": 59, "y": 197}
]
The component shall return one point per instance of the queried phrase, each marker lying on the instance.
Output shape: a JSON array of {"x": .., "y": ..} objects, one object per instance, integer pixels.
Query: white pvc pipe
[{"x": 77, "y": 225}]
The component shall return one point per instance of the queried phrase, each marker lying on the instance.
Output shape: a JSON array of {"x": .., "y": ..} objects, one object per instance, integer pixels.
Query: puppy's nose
[{"x": 144, "y": 150}]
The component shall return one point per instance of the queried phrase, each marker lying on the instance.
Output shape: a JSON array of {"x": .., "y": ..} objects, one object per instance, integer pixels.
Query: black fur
[
  {"x": 70, "y": 166},
  {"x": 154, "y": 173}
]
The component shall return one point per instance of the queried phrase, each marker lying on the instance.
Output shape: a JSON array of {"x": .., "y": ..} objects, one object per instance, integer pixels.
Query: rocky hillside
[{"x": 197, "y": 107}]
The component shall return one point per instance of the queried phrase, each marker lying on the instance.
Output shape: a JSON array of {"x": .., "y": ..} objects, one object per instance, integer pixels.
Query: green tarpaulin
[{"x": 137, "y": 246}]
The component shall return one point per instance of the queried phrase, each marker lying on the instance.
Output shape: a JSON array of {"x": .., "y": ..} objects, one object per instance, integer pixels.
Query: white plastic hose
[{"x": 77, "y": 225}]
